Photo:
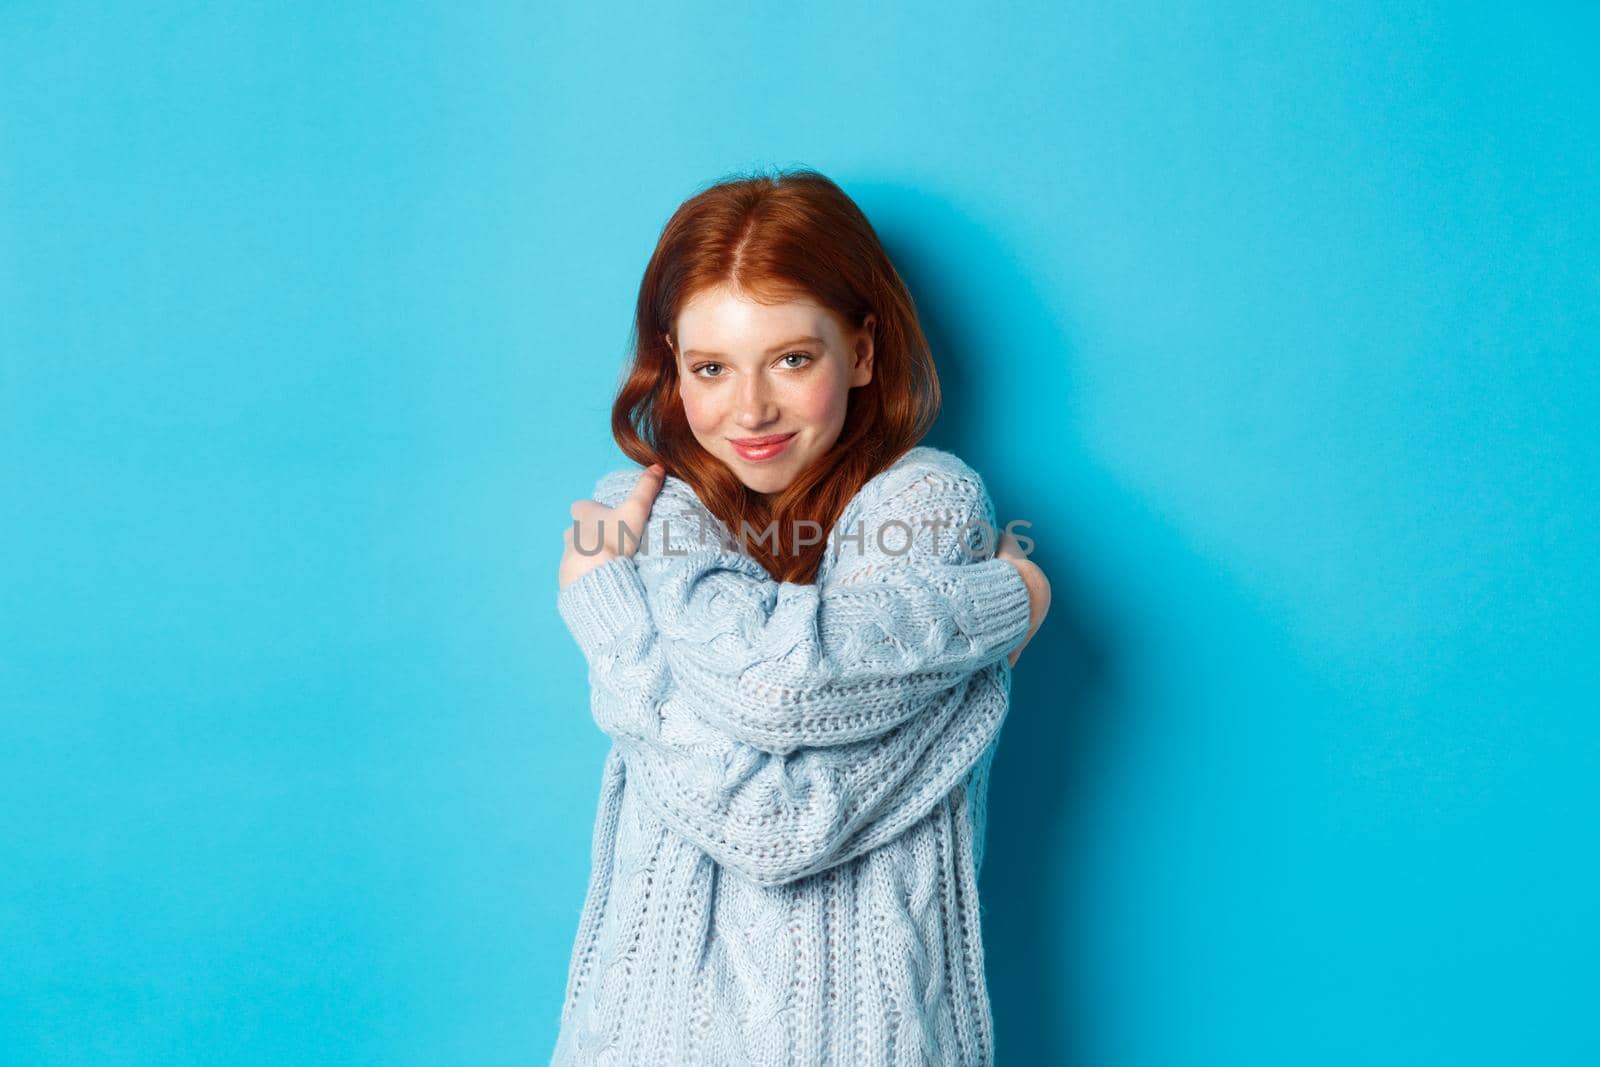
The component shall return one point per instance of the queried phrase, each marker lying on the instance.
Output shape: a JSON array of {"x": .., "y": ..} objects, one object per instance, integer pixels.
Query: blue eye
[
  {"x": 803, "y": 355},
  {"x": 703, "y": 366}
]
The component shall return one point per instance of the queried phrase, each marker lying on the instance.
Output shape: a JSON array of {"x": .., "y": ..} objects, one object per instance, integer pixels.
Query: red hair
[{"x": 775, "y": 238}]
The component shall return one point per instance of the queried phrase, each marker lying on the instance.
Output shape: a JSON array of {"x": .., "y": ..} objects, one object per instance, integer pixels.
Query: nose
[{"x": 755, "y": 408}]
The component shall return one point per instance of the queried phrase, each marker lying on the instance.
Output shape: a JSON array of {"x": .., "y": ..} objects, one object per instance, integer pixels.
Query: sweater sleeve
[
  {"x": 926, "y": 637},
  {"x": 910, "y": 609}
]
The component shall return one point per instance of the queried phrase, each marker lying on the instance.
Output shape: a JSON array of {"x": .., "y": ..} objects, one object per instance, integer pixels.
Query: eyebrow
[{"x": 771, "y": 351}]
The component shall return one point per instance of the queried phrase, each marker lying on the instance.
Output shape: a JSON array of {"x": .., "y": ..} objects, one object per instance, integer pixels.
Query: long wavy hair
[{"x": 777, "y": 237}]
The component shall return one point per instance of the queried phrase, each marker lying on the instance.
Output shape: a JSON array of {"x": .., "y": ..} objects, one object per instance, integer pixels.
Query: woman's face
[{"x": 749, "y": 371}]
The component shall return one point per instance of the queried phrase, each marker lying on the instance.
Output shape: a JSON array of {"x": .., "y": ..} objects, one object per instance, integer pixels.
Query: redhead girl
[{"x": 800, "y": 626}]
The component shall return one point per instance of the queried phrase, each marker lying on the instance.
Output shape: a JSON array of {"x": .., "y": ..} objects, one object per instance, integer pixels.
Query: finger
[
  {"x": 649, "y": 482},
  {"x": 644, "y": 491}
]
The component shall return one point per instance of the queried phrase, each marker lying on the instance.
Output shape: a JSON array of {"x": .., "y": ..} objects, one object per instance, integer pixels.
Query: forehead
[{"x": 724, "y": 321}]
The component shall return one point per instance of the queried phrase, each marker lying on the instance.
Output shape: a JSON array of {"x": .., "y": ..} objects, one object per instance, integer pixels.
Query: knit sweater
[{"x": 791, "y": 815}]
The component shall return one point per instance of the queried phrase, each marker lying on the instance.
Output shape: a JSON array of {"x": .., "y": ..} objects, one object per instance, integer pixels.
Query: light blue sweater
[{"x": 791, "y": 816}]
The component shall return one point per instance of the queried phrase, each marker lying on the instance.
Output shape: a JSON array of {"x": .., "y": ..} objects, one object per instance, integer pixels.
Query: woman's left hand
[
  {"x": 1038, "y": 585},
  {"x": 593, "y": 521}
]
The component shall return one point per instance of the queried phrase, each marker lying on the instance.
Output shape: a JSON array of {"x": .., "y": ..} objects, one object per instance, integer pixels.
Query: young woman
[{"x": 791, "y": 815}]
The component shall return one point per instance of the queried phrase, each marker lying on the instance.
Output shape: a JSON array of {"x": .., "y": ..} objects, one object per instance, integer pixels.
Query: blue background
[{"x": 1279, "y": 325}]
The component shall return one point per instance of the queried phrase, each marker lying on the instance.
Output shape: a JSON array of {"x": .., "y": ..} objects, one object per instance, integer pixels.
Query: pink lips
[{"x": 757, "y": 449}]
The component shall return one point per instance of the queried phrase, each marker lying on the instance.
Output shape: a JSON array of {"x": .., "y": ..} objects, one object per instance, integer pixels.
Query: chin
[
  {"x": 767, "y": 485},
  {"x": 761, "y": 481}
]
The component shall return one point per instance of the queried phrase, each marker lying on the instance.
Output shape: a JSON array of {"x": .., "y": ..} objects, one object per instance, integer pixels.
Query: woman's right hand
[
  {"x": 591, "y": 519},
  {"x": 1038, "y": 587}
]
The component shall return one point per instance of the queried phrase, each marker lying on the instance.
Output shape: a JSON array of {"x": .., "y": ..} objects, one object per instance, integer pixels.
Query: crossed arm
[{"x": 842, "y": 711}]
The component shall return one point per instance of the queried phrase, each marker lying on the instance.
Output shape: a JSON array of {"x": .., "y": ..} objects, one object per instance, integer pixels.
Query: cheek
[
  {"x": 697, "y": 410},
  {"x": 823, "y": 402}
]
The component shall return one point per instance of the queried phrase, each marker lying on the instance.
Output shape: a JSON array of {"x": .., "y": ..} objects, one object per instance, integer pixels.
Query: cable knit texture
[{"x": 790, "y": 820}]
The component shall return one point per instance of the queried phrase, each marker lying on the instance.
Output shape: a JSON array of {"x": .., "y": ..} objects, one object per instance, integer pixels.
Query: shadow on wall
[{"x": 978, "y": 304}]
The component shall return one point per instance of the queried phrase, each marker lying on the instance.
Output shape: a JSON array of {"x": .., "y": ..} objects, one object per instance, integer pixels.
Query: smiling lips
[{"x": 757, "y": 449}]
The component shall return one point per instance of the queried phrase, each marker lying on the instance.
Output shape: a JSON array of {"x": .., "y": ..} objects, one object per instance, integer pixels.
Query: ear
[{"x": 861, "y": 371}]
